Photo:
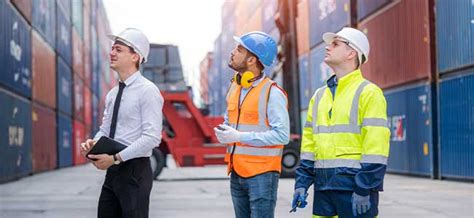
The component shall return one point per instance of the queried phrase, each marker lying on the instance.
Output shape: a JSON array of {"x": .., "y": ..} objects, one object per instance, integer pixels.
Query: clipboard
[{"x": 106, "y": 145}]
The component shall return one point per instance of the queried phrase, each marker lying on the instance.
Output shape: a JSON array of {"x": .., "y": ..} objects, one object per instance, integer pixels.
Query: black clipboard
[{"x": 106, "y": 145}]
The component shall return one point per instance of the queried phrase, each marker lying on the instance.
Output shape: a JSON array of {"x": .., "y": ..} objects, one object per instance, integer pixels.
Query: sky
[{"x": 191, "y": 25}]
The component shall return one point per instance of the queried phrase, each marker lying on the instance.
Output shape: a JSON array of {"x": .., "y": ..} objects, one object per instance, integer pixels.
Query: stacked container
[
  {"x": 455, "y": 63},
  {"x": 46, "y": 82}
]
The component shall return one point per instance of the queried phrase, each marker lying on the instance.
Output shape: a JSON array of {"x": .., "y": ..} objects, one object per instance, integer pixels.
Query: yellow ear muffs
[{"x": 246, "y": 79}]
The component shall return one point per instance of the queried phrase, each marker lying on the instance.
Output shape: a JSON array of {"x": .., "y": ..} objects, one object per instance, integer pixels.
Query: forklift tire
[
  {"x": 157, "y": 162},
  {"x": 290, "y": 160}
]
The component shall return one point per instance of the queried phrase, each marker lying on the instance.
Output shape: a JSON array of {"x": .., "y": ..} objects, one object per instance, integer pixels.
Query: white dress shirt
[{"x": 140, "y": 117}]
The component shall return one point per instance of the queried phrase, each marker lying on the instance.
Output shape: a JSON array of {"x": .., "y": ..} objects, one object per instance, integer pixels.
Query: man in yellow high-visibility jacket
[{"x": 345, "y": 142}]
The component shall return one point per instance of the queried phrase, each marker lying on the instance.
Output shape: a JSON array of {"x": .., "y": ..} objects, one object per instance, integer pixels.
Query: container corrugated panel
[
  {"x": 409, "y": 118},
  {"x": 269, "y": 8},
  {"x": 255, "y": 21},
  {"x": 44, "y": 19},
  {"x": 173, "y": 56},
  {"x": 456, "y": 115},
  {"x": 96, "y": 120},
  {"x": 405, "y": 25},
  {"x": 15, "y": 51},
  {"x": 302, "y": 27},
  {"x": 79, "y": 136},
  {"x": 24, "y": 7},
  {"x": 454, "y": 34},
  {"x": 77, "y": 16},
  {"x": 66, "y": 7},
  {"x": 44, "y": 72},
  {"x": 15, "y": 136},
  {"x": 87, "y": 106},
  {"x": 44, "y": 138},
  {"x": 157, "y": 56},
  {"x": 86, "y": 25},
  {"x": 63, "y": 36},
  {"x": 228, "y": 9},
  {"x": 78, "y": 98},
  {"x": 305, "y": 81},
  {"x": 327, "y": 16},
  {"x": 320, "y": 71},
  {"x": 64, "y": 132},
  {"x": 87, "y": 67},
  {"x": 78, "y": 54},
  {"x": 367, "y": 7},
  {"x": 95, "y": 62},
  {"x": 64, "y": 87}
]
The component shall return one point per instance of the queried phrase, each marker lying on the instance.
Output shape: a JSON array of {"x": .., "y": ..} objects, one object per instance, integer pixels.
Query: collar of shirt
[
  {"x": 255, "y": 83},
  {"x": 332, "y": 81},
  {"x": 352, "y": 76},
  {"x": 132, "y": 78}
]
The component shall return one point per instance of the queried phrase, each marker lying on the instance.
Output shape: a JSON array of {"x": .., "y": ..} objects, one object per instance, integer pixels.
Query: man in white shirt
[{"x": 132, "y": 116}]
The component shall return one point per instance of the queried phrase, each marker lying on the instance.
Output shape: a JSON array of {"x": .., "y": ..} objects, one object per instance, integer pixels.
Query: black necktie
[{"x": 113, "y": 125}]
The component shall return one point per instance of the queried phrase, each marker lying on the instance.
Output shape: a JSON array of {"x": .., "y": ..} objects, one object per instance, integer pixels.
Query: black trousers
[{"x": 126, "y": 190}]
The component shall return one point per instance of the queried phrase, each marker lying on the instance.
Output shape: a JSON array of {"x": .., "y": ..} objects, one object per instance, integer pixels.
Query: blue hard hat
[{"x": 261, "y": 45}]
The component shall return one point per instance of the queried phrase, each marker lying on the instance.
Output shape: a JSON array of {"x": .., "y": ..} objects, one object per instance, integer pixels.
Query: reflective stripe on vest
[
  {"x": 256, "y": 151},
  {"x": 307, "y": 156}
]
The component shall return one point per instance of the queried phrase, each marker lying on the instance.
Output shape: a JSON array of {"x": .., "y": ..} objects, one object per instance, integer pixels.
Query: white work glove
[{"x": 227, "y": 135}]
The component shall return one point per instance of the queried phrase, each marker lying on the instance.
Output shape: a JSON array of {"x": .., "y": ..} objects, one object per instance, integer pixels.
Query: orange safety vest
[{"x": 251, "y": 116}]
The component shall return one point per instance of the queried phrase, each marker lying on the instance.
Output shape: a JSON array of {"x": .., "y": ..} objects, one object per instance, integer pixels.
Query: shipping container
[
  {"x": 77, "y": 17},
  {"x": 254, "y": 23},
  {"x": 409, "y": 118},
  {"x": 63, "y": 36},
  {"x": 87, "y": 106},
  {"x": 66, "y": 7},
  {"x": 64, "y": 87},
  {"x": 78, "y": 98},
  {"x": 44, "y": 71},
  {"x": 95, "y": 62},
  {"x": 24, "y": 7},
  {"x": 64, "y": 132},
  {"x": 173, "y": 56},
  {"x": 96, "y": 119},
  {"x": 305, "y": 81},
  {"x": 15, "y": 51},
  {"x": 404, "y": 25},
  {"x": 367, "y": 7},
  {"x": 302, "y": 27},
  {"x": 269, "y": 8},
  {"x": 320, "y": 71},
  {"x": 327, "y": 16},
  {"x": 15, "y": 136},
  {"x": 79, "y": 136},
  {"x": 77, "y": 55},
  {"x": 456, "y": 115},
  {"x": 44, "y": 19},
  {"x": 454, "y": 34},
  {"x": 157, "y": 57},
  {"x": 44, "y": 136},
  {"x": 87, "y": 67}
]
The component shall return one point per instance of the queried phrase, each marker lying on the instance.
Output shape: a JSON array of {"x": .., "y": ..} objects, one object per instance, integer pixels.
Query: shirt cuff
[{"x": 245, "y": 137}]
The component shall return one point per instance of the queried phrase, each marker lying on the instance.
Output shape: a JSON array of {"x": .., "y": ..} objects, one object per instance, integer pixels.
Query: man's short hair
[{"x": 137, "y": 64}]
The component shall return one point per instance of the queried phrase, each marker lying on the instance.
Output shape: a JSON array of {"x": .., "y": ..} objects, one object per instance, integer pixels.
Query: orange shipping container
[
  {"x": 399, "y": 44},
  {"x": 44, "y": 148},
  {"x": 24, "y": 6},
  {"x": 255, "y": 22},
  {"x": 77, "y": 54},
  {"x": 79, "y": 136},
  {"x": 44, "y": 71},
  {"x": 302, "y": 27}
]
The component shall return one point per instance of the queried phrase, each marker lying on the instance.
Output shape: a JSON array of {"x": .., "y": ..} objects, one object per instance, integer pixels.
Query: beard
[{"x": 239, "y": 67}]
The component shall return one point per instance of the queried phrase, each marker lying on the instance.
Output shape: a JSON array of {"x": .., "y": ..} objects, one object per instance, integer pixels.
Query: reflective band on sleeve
[
  {"x": 307, "y": 156},
  {"x": 374, "y": 122},
  {"x": 376, "y": 159},
  {"x": 337, "y": 129}
]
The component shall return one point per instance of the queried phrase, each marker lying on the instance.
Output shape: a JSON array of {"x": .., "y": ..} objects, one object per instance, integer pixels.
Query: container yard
[{"x": 57, "y": 73}]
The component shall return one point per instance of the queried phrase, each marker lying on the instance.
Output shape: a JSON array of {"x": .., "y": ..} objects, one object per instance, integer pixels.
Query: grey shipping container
[
  {"x": 63, "y": 37},
  {"x": 367, "y": 7},
  {"x": 15, "y": 137},
  {"x": 327, "y": 16},
  {"x": 15, "y": 51},
  {"x": 44, "y": 19},
  {"x": 64, "y": 87}
]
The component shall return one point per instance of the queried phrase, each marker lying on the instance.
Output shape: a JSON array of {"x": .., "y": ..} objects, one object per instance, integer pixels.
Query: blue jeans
[{"x": 255, "y": 196}]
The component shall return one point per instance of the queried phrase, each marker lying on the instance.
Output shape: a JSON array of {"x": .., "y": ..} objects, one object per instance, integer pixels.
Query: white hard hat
[
  {"x": 135, "y": 39},
  {"x": 357, "y": 40}
]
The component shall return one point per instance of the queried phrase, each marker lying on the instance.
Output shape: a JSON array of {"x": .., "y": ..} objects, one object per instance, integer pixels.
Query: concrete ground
[{"x": 203, "y": 192}]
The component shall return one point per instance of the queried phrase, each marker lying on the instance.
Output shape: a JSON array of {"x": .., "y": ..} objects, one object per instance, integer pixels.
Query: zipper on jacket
[{"x": 237, "y": 127}]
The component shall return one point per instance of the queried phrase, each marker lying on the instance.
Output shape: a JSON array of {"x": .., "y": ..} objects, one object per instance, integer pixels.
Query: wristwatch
[{"x": 116, "y": 160}]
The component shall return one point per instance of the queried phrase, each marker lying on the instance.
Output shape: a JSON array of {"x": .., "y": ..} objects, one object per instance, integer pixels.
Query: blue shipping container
[
  {"x": 409, "y": 119},
  {"x": 64, "y": 140},
  {"x": 15, "y": 137},
  {"x": 319, "y": 70},
  {"x": 63, "y": 37},
  {"x": 15, "y": 51},
  {"x": 367, "y": 7},
  {"x": 454, "y": 34},
  {"x": 77, "y": 16},
  {"x": 44, "y": 19},
  {"x": 305, "y": 82},
  {"x": 157, "y": 57},
  {"x": 96, "y": 120},
  {"x": 64, "y": 87},
  {"x": 66, "y": 7},
  {"x": 327, "y": 16},
  {"x": 456, "y": 113}
]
